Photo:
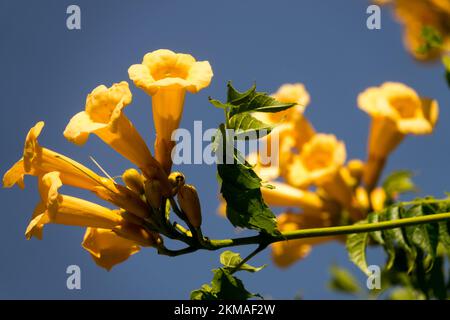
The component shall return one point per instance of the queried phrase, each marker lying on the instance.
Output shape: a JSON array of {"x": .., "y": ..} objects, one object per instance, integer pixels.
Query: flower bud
[
  {"x": 190, "y": 204},
  {"x": 153, "y": 193},
  {"x": 138, "y": 234},
  {"x": 176, "y": 181},
  {"x": 356, "y": 168},
  {"x": 378, "y": 199},
  {"x": 362, "y": 197},
  {"x": 133, "y": 180}
]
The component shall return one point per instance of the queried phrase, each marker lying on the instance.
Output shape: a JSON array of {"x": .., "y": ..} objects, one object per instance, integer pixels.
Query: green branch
[{"x": 313, "y": 233}]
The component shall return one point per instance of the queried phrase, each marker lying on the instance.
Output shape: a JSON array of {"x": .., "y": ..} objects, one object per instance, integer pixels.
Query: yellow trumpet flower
[
  {"x": 38, "y": 161},
  {"x": 414, "y": 15},
  {"x": 63, "y": 209},
  {"x": 396, "y": 110},
  {"x": 285, "y": 253},
  {"x": 288, "y": 93},
  {"x": 295, "y": 130},
  {"x": 166, "y": 76},
  {"x": 320, "y": 163},
  {"x": 104, "y": 117},
  {"x": 108, "y": 247}
]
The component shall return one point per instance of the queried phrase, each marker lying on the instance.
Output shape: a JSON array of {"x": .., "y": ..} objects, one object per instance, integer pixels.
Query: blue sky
[{"x": 48, "y": 70}]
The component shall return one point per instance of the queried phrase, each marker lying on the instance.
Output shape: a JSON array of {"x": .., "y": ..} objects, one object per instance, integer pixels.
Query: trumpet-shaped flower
[
  {"x": 108, "y": 247},
  {"x": 38, "y": 161},
  {"x": 166, "y": 76},
  {"x": 396, "y": 110},
  {"x": 288, "y": 93},
  {"x": 414, "y": 15},
  {"x": 321, "y": 163},
  {"x": 104, "y": 117},
  {"x": 285, "y": 253},
  {"x": 63, "y": 209}
]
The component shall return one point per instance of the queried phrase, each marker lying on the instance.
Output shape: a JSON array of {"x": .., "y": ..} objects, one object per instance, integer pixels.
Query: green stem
[
  {"x": 331, "y": 231},
  {"x": 314, "y": 233},
  {"x": 260, "y": 248}
]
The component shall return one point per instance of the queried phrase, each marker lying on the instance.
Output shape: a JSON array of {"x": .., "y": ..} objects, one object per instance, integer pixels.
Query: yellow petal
[
  {"x": 107, "y": 248},
  {"x": 285, "y": 253},
  {"x": 14, "y": 175},
  {"x": 67, "y": 210},
  {"x": 38, "y": 161},
  {"x": 104, "y": 117},
  {"x": 287, "y": 196},
  {"x": 378, "y": 199}
]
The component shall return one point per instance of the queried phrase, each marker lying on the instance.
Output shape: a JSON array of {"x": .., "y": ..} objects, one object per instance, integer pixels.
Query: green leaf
[
  {"x": 246, "y": 126},
  {"x": 262, "y": 102},
  {"x": 444, "y": 235},
  {"x": 406, "y": 293},
  {"x": 343, "y": 281},
  {"x": 399, "y": 182},
  {"x": 356, "y": 246},
  {"x": 231, "y": 260},
  {"x": 245, "y": 205},
  {"x": 218, "y": 104},
  {"x": 236, "y": 98},
  {"x": 425, "y": 236},
  {"x": 228, "y": 287},
  {"x": 249, "y": 101},
  {"x": 395, "y": 236},
  {"x": 431, "y": 39},
  {"x": 224, "y": 286},
  {"x": 204, "y": 293}
]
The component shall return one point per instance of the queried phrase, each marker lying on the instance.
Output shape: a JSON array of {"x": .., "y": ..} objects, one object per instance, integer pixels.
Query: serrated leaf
[
  {"x": 236, "y": 98},
  {"x": 423, "y": 236},
  {"x": 204, "y": 293},
  {"x": 245, "y": 205},
  {"x": 406, "y": 293},
  {"x": 395, "y": 236},
  {"x": 228, "y": 287},
  {"x": 343, "y": 281},
  {"x": 220, "y": 105},
  {"x": 224, "y": 286},
  {"x": 356, "y": 247},
  {"x": 399, "y": 182},
  {"x": 246, "y": 126},
  {"x": 231, "y": 260},
  {"x": 444, "y": 235},
  {"x": 262, "y": 102}
]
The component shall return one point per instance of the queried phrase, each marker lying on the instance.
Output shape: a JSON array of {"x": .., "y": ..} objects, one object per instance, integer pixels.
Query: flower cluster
[
  {"x": 313, "y": 178},
  {"x": 414, "y": 15},
  {"x": 138, "y": 217}
]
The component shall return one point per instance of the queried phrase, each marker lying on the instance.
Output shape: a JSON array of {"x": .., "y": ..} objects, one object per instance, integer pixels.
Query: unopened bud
[
  {"x": 362, "y": 197},
  {"x": 153, "y": 193},
  {"x": 356, "y": 168},
  {"x": 378, "y": 199},
  {"x": 190, "y": 204},
  {"x": 137, "y": 234},
  {"x": 176, "y": 180},
  {"x": 133, "y": 180}
]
